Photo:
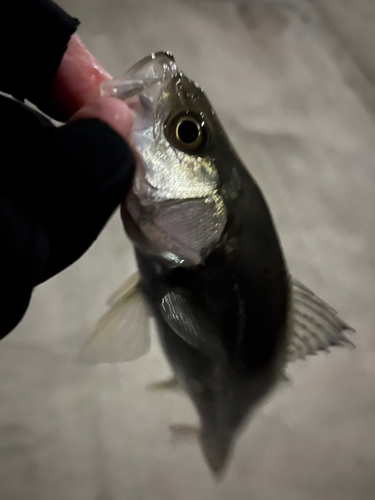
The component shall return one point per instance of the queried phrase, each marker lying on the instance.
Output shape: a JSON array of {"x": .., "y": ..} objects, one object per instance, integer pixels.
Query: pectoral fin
[
  {"x": 189, "y": 322},
  {"x": 315, "y": 325}
]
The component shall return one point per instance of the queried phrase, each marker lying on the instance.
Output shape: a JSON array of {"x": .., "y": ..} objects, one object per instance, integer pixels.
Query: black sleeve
[
  {"x": 33, "y": 38},
  {"x": 58, "y": 188}
]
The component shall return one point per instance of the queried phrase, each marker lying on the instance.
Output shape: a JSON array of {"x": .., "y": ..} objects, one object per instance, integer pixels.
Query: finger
[
  {"x": 76, "y": 82},
  {"x": 111, "y": 111}
]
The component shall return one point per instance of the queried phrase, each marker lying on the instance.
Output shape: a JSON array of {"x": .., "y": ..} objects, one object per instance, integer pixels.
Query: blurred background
[{"x": 293, "y": 83}]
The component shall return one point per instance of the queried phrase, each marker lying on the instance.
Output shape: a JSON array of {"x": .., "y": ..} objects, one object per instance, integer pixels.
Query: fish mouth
[
  {"x": 142, "y": 87},
  {"x": 152, "y": 70}
]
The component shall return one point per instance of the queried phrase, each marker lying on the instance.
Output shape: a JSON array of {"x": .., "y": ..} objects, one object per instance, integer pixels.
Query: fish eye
[
  {"x": 189, "y": 132},
  {"x": 186, "y": 132}
]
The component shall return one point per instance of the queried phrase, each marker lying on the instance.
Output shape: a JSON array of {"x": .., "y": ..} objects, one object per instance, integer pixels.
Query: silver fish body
[
  {"x": 210, "y": 262},
  {"x": 229, "y": 281}
]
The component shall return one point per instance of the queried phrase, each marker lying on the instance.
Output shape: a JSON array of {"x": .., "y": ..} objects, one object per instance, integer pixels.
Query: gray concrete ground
[{"x": 293, "y": 84}]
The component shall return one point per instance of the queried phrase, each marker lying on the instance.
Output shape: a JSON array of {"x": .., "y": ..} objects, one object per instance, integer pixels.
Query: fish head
[{"x": 175, "y": 209}]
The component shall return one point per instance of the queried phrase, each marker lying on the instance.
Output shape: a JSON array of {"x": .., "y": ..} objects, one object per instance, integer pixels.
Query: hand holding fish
[{"x": 59, "y": 185}]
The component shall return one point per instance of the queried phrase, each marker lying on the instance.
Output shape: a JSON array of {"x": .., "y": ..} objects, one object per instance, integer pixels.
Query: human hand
[{"x": 58, "y": 185}]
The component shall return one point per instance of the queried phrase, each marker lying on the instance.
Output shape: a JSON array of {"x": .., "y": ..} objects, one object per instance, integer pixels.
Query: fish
[{"x": 211, "y": 269}]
